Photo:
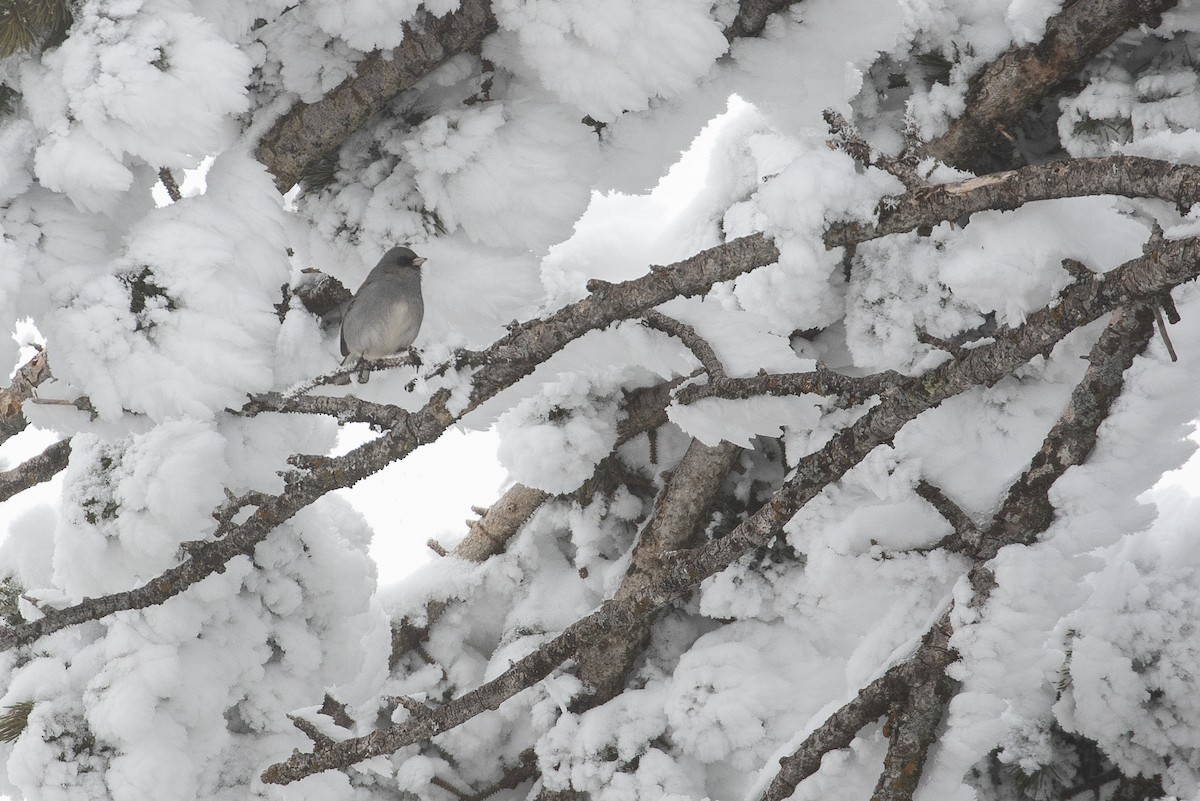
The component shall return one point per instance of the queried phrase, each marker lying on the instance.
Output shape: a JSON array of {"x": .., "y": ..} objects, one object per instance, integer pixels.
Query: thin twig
[{"x": 698, "y": 345}]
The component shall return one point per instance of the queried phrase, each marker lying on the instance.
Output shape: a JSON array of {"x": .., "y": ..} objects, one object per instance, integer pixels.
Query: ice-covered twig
[{"x": 847, "y": 138}]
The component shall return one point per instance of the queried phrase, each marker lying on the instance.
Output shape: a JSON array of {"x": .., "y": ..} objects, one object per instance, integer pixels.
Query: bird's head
[{"x": 401, "y": 257}]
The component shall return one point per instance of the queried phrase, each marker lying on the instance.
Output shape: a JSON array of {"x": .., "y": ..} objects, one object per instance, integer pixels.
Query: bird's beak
[{"x": 418, "y": 261}]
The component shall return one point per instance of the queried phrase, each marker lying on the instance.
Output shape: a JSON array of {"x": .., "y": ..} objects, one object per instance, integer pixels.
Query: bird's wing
[{"x": 342, "y": 337}]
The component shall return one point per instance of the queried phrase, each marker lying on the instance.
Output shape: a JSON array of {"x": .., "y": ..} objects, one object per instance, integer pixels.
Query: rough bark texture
[
  {"x": 35, "y": 470},
  {"x": 1022, "y": 76},
  {"x": 1128, "y": 176},
  {"x": 682, "y": 510},
  {"x": 21, "y": 389},
  {"x": 752, "y": 17},
  {"x": 311, "y": 131}
]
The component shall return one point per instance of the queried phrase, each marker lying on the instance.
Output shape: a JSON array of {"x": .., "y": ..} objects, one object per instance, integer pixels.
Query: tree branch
[
  {"x": 966, "y": 533},
  {"x": 35, "y": 470},
  {"x": 645, "y": 411},
  {"x": 682, "y": 508},
  {"x": 837, "y": 732},
  {"x": 851, "y": 390},
  {"x": 311, "y": 131},
  {"x": 698, "y": 345},
  {"x": 1027, "y": 510},
  {"x": 1021, "y": 76},
  {"x": 1128, "y": 176},
  {"x": 22, "y": 388},
  {"x": 1069, "y": 443},
  {"x": 506, "y": 362},
  {"x": 752, "y": 17},
  {"x": 1143, "y": 278}
]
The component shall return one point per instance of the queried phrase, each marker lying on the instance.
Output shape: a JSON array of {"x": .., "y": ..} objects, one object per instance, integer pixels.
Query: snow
[
  {"x": 605, "y": 60},
  {"x": 166, "y": 315}
]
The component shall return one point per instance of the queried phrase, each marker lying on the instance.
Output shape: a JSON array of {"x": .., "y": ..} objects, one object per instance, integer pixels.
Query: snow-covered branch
[
  {"x": 918, "y": 688},
  {"x": 1127, "y": 176},
  {"x": 1022, "y": 76},
  {"x": 645, "y": 410},
  {"x": 310, "y": 131},
  {"x": 505, "y": 362},
  {"x": 679, "y": 514},
  {"x": 1142, "y": 279}
]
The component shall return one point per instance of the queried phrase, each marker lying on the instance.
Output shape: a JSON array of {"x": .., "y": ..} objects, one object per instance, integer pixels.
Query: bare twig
[
  {"x": 966, "y": 533},
  {"x": 169, "y": 183},
  {"x": 1162, "y": 331},
  {"x": 320, "y": 741},
  {"x": 698, "y": 345},
  {"x": 347, "y": 409},
  {"x": 851, "y": 390},
  {"x": 490, "y": 532}
]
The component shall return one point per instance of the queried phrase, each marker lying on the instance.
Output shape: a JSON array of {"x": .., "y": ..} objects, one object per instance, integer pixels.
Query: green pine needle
[{"x": 14, "y": 720}]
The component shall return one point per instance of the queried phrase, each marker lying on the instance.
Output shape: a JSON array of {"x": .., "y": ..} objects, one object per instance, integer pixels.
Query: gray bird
[{"x": 384, "y": 315}]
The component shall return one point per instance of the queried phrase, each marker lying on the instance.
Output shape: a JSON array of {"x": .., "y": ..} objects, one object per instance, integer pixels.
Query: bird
[{"x": 385, "y": 314}]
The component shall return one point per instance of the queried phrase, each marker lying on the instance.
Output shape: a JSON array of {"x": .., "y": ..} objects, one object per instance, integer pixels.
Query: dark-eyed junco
[{"x": 384, "y": 315}]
